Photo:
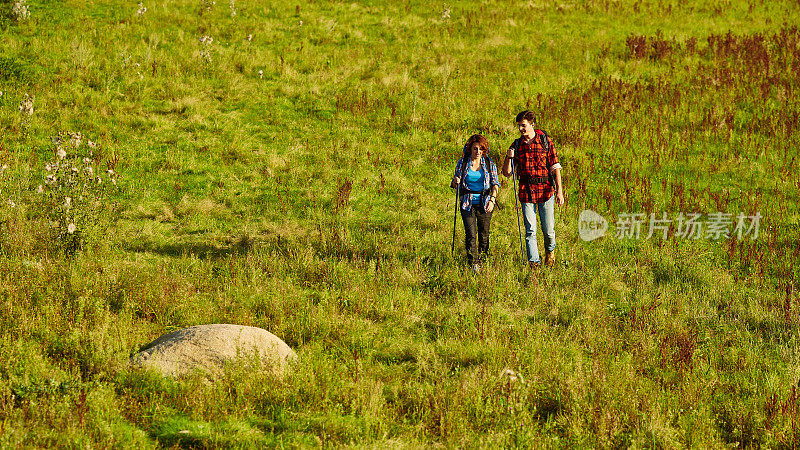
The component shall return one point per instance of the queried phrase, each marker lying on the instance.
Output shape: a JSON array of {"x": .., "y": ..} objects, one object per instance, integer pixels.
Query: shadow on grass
[{"x": 240, "y": 246}]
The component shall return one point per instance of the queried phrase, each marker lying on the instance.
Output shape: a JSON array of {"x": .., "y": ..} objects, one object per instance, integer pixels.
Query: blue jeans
[{"x": 547, "y": 219}]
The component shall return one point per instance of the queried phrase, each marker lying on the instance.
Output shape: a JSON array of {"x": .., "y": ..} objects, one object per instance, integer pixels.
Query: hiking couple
[{"x": 533, "y": 160}]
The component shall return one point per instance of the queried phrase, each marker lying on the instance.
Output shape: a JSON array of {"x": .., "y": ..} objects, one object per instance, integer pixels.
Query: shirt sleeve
[
  {"x": 552, "y": 156},
  {"x": 493, "y": 180},
  {"x": 458, "y": 165}
]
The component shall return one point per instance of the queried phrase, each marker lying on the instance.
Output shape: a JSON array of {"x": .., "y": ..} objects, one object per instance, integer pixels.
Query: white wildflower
[
  {"x": 91, "y": 144},
  {"x": 1, "y": 92},
  {"x": 74, "y": 170},
  {"x": 11, "y": 203},
  {"x": 49, "y": 167},
  {"x": 114, "y": 181},
  {"x": 233, "y": 8},
  {"x": 89, "y": 171},
  {"x": 3, "y": 169},
  {"x": 75, "y": 139},
  {"x": 61, "y": 153},
  {"x": 87, "y": 160},
  {"x": 110, "y": 172},
  {"x": 26, "y": 105},
  {"x": 512, "y": 376},
  {"x": 208, "y": 4},
  {"x": 71, "y": 228},
  {"x": 142, "y": 10},
  {"x": 68, "y": 202},
  {"x": 99, "y": 180},
  {"x": 249, "y": 38},
  {"x": 205, "y": 51},
  {"x": 261, "y": 74},
  {"x": 50, "y": 179},
  {"x": 40, "y": 189},
  {"x": 446, "y": 12},
  {"x": 301, "y": 23},
  {"x": 20, "y": 10}
]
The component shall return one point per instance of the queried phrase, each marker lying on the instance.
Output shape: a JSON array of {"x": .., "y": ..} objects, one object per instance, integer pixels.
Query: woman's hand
[
  {"x": 490, "y": 205},
  {"x": 454, "y": 182}
]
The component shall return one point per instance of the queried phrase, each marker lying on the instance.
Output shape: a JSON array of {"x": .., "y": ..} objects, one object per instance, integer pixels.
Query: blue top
[
  {"x": 475, "y": 180},
  {"x": 489, "y": 170}
]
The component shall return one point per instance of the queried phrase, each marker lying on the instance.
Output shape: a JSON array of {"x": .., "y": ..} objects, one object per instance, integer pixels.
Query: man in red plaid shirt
[{"x": 539, "y": 173}]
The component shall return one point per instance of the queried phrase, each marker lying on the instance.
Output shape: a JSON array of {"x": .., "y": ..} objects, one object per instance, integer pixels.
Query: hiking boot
[
  {"x": 549, "y": 258},
  {"x": 534, "y": 264}
]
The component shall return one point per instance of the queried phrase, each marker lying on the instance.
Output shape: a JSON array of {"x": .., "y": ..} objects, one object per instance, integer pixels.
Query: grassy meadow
[{"x": 287, "y": 166}]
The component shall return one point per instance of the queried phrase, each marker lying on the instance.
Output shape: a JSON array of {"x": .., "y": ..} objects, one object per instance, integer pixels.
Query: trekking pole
[
  {"x": 516, "y": 208},
  {"x": 455, "y": 215},
  {"x": 458, "y": 199}
]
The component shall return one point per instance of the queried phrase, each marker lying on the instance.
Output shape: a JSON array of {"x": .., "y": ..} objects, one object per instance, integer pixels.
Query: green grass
[{"x": 232, "y": 207}]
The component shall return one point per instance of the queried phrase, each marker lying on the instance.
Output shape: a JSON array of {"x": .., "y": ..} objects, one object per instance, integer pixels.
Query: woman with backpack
[{"x": 476, "y": 183}]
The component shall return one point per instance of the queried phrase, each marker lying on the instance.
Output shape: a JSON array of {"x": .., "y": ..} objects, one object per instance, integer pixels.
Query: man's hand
[
  {"x": 508, "y": 169},
  {"x": 559, "y": 188},
  {"x": 559, "y": 198}
]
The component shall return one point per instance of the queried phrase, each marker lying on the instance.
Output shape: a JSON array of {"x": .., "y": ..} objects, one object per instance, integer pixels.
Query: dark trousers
[{"x": 476, "y": 222}]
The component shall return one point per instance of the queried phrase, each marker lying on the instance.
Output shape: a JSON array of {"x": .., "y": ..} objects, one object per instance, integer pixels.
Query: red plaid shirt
[{"x": 532, "y": 161}]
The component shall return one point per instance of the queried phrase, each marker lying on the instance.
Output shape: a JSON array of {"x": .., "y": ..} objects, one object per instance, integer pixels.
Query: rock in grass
[{"x": 207, "y": 348}]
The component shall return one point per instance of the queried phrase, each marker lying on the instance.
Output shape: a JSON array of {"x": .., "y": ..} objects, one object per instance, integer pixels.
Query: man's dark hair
[{"x": 526, "y": 115}]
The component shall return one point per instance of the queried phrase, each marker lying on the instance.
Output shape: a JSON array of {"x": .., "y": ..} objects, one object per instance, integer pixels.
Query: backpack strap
[
  {"x": 465, "y": 161},
  {"x": 543, "y": 139},
  {"x": 462, "y": 183}
]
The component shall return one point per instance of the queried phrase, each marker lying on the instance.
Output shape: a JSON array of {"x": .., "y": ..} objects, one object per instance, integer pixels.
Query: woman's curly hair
[{"x": 480, "y": 140}]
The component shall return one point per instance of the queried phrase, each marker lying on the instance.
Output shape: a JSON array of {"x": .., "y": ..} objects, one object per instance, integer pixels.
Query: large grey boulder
[{"x": 206, "y": 348}]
